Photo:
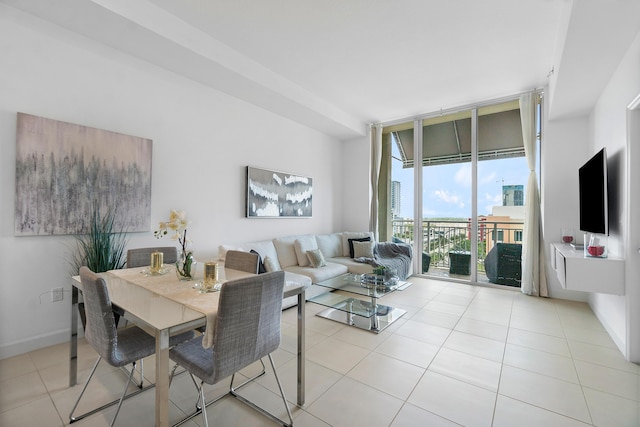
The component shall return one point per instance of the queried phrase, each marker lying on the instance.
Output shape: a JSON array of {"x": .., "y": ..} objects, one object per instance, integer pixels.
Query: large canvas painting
[
  {"x": 273, "y": 194},
  {"x": 64, "y": 171}
]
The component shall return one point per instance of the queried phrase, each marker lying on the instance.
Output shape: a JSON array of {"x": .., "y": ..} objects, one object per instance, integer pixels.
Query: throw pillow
[
  {"x": 316, "y": 258},
  {"x": 269, "y": 265},
  {"x": 261, "y": 268},
  {"x": 361, "y": 239},
  {"x": 346, "y": 235},
  {"x": 363, "y": 249},
  {"x": 302, "y": 245}
]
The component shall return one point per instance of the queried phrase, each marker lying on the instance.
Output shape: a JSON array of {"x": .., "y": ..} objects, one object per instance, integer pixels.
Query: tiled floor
[{"x": 462, "y": 355}]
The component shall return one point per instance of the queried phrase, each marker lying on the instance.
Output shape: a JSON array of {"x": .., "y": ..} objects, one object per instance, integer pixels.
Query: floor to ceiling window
[{"x": 462, "y": 206}]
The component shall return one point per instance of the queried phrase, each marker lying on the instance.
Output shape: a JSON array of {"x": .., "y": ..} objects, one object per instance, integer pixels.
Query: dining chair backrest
[
  {"x": 248, "y": 322},
  {"x": 243, "y": 261},
  {"x": 101, "y": 331},
  {"x": 141, "y": 257}
]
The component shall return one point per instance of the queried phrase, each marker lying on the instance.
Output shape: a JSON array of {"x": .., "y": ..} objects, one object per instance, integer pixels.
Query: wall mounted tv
[{"x": 594, "y": 206}]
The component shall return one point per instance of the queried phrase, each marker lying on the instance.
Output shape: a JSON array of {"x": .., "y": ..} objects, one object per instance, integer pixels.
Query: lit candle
[
  {"x": 156, "y": 261},
  {"x": 210, "y": 274}
]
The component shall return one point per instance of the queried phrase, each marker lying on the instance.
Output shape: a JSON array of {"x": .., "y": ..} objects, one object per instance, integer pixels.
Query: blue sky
[{"x": 447, "y": 188}]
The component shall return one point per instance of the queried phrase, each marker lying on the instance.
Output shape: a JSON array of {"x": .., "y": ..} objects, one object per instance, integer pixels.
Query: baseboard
[
  {"x": 618, "y": 341},
  {"x": 34, "y": 343}
]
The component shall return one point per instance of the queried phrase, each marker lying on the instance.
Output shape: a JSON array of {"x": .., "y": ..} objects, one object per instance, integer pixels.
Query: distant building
[
  {"x": 513, "y": 195},
  {"x": 395, "y": 199}
]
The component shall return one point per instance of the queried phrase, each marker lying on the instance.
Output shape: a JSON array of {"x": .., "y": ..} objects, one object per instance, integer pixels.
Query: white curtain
[
  {"x": 533, "y": 282},
  {"x": 376, "y": 159}
]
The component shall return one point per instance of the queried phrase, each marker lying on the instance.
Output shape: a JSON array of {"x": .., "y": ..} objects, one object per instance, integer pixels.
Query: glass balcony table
[{"x": 355, "y": 303}]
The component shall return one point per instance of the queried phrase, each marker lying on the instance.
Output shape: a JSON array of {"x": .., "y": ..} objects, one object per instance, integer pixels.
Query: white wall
[
  {"x": 608, "y": 128},
  {"x": 357, "y": 184},
  {"x": 564, "y": 150},
  {"x": 568, "y": 143},
  {"x": 202, "y": 142}
]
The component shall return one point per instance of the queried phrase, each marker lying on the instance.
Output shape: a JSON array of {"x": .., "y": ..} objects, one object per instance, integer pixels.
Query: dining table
[{"x": 163, "y": 306}]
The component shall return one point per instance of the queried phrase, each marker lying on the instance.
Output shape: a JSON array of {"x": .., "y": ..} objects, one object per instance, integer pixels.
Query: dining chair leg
[
  {"x": 93, "y": 370},
  {"x": 264, "y": 371},
  {"x": 124, "y": 392},
  {"x": 244, "y": 400},
  {"x": 284, "y": 399},
  {"x": 204, "y": 405},
  {"x": 130, "y": 379},
  {"x": 141, "y": 373}
]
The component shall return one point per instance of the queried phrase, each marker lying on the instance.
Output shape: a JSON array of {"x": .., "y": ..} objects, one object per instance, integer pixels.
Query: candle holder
[
  {"x": 211, "y": 280},
  {"x": 157, "y": 259}
]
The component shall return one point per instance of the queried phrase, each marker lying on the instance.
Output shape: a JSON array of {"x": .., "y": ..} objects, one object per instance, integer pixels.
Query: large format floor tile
[
  {"x": 350, "y": 403},
  {"x": 454, "y": 400},
  {"x": 546, "y": 392},
  {"x": 460, "y": 356}
]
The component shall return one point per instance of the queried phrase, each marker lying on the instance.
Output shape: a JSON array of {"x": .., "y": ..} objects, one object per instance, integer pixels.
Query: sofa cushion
[
  {"x": 353, "y": 235},
  {"x": 320, "y": 274},
  {"x": 316, "y": 259},
  {"x": 362, "y": 249},
  {"x": 270, "y": 265},
  {"x": 359, "y": 240},
  {"x": 302, "y": 245},
  {"x": 286, "y": 251},
  {"x": 222, "y": 250},
  {"x": 353, "y": 266},
  {"x": 265, "y": 249},
  {"x": 330, "y": 244}
]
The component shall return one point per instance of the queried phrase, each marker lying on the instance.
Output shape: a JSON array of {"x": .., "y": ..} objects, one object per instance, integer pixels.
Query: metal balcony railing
[{"x": 440, "y": 237}]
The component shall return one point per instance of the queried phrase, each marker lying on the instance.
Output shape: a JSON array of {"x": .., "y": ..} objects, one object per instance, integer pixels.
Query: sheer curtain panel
[{"x": 533, "y": 282}]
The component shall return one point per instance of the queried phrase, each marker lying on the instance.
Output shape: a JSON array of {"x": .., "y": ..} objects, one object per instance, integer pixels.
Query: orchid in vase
[{"x": 177, "y": 224}]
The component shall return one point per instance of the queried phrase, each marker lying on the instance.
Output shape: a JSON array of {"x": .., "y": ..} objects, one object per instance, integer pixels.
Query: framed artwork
[
  {"x": 64, "y": 171},
  {"x": 272, "y": 194}
]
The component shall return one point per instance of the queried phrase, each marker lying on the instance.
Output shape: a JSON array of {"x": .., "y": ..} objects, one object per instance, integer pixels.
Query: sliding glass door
[{"x": 461, "y": 205}]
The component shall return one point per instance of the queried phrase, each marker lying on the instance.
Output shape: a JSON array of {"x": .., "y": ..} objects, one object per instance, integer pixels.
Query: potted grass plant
[{"x": 102, "y": 248}]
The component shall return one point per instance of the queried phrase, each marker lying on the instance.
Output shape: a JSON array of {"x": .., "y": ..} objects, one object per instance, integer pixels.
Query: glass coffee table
[{"x": 355, "y": 303}]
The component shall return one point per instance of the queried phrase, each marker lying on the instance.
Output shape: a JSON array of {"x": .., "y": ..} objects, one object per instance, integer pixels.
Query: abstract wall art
[
  {"x": 64, "y": 171},
  {"x": 272, "y": 194}
]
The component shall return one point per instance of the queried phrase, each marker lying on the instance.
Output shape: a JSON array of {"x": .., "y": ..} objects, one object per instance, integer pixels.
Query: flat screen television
[{"x": 594, "y": 204}]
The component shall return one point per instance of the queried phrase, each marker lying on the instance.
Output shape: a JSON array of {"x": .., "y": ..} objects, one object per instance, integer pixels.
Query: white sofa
[{"x": 289, "y": 254}]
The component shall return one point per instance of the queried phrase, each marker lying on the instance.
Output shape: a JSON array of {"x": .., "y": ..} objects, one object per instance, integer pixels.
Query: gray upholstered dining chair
[
  {"x": 247, "y": 329},
  {"x": 140, "y": 257},
  {"x": 117, "y": 347},
  {"x": 242, "y": 261}
]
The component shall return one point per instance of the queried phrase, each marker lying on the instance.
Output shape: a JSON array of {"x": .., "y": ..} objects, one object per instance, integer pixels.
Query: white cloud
[
  {"x": 488, "y": 179},
  {"x": 496, "y": 198},
  {"x": 463, "y": 175},
  {"x": 446, "y": 197}
]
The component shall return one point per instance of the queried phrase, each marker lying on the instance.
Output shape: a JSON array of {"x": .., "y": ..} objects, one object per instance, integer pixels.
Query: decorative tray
[
  {"x": 199, "y": 286},
  {"x": 147, "y": 271},
  {"x": 376, "y": 281}
]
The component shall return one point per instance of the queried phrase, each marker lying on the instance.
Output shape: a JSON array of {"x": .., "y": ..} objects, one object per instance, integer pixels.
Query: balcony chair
[
  {"x": 247, "y": 329},
  {"x": 503, "y": 264},
  {"x": 118, "y": 347},
  {"x": 242, "y": 261}
]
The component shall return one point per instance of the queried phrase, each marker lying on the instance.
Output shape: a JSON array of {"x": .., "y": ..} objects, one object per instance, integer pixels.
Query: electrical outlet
[{"x": 56, "y": 294}]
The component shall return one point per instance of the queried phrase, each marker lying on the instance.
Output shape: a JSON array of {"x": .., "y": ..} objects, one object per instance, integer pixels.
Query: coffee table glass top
[
  {"x": 352, "y": 283},
  {"x": 362, "y": 310}
]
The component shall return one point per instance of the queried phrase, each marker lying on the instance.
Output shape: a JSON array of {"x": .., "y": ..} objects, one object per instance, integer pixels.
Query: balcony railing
[{"x": 440, "y": 237}]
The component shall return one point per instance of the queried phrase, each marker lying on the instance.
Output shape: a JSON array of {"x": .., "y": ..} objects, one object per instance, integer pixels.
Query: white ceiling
[{"x": 337, "y": 65}]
